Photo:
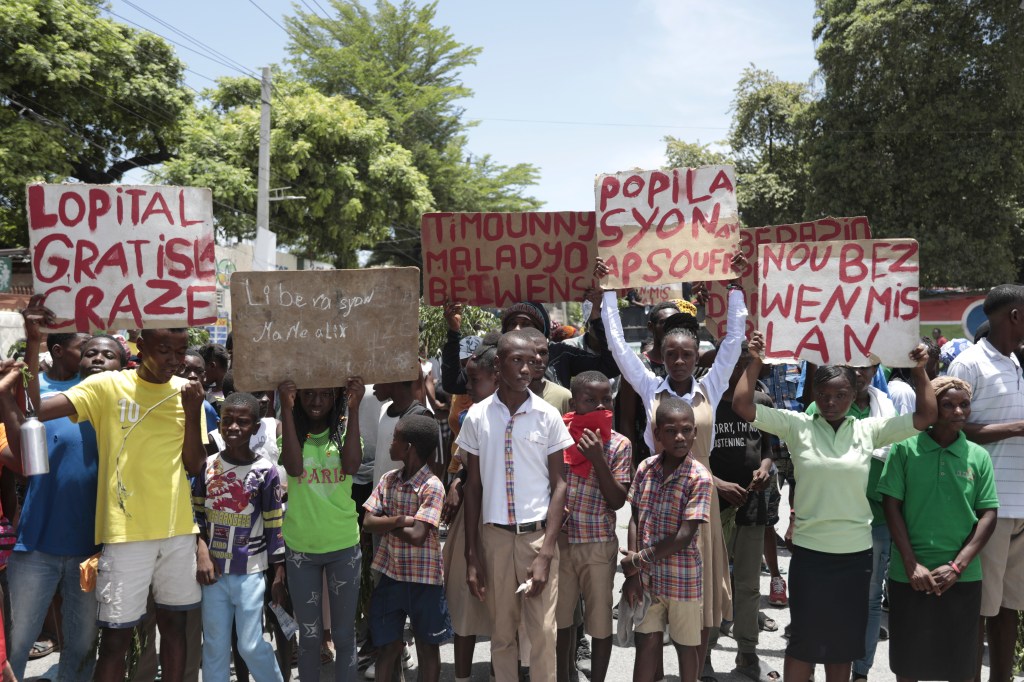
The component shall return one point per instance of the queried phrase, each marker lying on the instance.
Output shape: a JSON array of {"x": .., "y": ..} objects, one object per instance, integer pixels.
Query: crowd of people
[{"x": 355, "y": 523}]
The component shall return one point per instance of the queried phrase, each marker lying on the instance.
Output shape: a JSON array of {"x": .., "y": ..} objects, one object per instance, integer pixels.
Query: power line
[
  {"x": 267, "y": 15},
  {"x": 186, "y": 35}
]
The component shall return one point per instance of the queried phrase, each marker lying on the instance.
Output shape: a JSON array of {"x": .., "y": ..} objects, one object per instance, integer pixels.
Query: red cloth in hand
[{"x": 598, "y": 421}]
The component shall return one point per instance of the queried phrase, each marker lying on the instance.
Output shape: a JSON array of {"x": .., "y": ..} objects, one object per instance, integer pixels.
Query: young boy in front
[
  {"x": 516, "y": 487},
  {"x": 150, "y": 431},
  {"x": 671, "y": 497},
  {"x": 237, "y": 500},
  {"x": 597, "y": 473},
  {"x": 406, "y": 508}
]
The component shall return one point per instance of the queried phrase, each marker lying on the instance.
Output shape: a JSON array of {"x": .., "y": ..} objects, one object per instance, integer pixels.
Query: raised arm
[
  {"x": 716, "y": 381},
  {"x": 743, "y": 396},
  {"x": 291, "y": 451},
  {"x": 352, "y": 448},
  {"x": 193, "y": 451},
  {"x": 639, "y": 377},
  {"x": 926, "y": 411},
  {"x": 453, "y": 379}
]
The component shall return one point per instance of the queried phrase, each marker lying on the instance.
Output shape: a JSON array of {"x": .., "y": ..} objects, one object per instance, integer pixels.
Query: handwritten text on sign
[
  {"x": 751, "y": 238},
  {"x": 321, "y": 327},
  {"x": 841, "y": 302},
  {"x": 497, "y": 259},
  {"x": 659, "y": 227},
  {"x": 109, "y": 256}
]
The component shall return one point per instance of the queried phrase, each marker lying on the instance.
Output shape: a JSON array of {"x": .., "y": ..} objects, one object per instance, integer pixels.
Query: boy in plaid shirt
[
  {"x": 671, "y": 497},
  {"x": 406, "y": 508},
  {"x": 598, "y": 468}
]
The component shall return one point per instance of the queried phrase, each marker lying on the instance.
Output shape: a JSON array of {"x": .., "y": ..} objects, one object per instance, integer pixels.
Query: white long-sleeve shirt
[{"x": 648, "y": 385}]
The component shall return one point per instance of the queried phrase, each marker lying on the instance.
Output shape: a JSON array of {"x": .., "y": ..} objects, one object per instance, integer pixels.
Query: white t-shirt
[
  {"x": 998, "y": 398},
  {"x": 537, "y": 432}
]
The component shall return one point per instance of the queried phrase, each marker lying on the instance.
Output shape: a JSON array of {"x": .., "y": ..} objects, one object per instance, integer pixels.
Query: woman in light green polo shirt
[
  {"x": 831, "y": 567},
  {"x": 321, "y": 532},
  {"x": 939, "y": 496}
]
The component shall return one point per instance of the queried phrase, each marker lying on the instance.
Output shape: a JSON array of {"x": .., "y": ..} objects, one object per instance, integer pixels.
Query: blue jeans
[
  {"x": 880, "y": 543},
  {"x": 237, "y": 598},
  {"x": 34, "y": 577}
]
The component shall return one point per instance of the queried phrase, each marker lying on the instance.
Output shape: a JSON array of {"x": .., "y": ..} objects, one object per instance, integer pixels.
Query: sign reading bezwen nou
[
  {"x": 320, "y": 327},
  {"x": 659, "y": 227},
  {"x": 840, "y": 302},
  {"x": 822, "y": 230},
  {"x": 496, "y": 259},
  {"x": 110, "y": 256}
]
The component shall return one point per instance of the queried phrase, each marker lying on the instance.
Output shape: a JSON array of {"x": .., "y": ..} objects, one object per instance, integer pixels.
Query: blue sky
[{"x": 575, "y": 87}]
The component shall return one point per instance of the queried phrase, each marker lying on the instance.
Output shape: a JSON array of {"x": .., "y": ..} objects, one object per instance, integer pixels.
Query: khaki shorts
[
  {"x": 685, "y": 620},
  {"x": 127, "y": 570},
  {"x": 1002, "y": 568},
  {"x": 587, "y": 568}
]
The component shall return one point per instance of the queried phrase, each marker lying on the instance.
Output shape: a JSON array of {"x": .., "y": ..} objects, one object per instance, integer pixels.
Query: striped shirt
[
  {"x": 590, "y": 518},
  {"x": 238, "y": 509},
  {"x": 422, "y": 498},
  {"x": 998, "y": 398},
  {"x": 662, "y": 504}
]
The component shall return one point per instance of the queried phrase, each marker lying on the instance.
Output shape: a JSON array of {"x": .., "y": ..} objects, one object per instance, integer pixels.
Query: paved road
[{"x": 772, "y": 648}]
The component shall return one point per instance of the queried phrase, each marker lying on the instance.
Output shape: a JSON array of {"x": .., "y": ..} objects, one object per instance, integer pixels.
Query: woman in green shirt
[
  {"x": 939, "y": 496},
  {"x": 321, "y": 531},
  {"x": 831, "y": 567}
]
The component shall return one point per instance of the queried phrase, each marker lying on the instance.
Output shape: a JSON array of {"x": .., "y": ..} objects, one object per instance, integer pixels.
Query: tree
[
  {"x": 356, "y": 182},
  {"x": 398, "y": 65},
  {"x": 919, "y": 127},
  {"x": 80, "y": 97},
  {"x": 765, "y": 144}
]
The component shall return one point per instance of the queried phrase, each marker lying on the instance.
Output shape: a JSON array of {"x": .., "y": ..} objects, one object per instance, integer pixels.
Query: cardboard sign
[
  {"x": 115, "y": 256},
  {"x": 751, "y": 238},
  {"x": 840, "y": 302},
  {"x": 662, "y": 227},
  {"x": 497, "y": 259},
  {"x": 321, "y": 327}
]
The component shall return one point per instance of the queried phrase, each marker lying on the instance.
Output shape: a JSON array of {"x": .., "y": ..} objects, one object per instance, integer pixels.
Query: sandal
[
  {"x": 766, "y": 624},
  {"x": 759, "y": 672},
  {"x": 41, "y": 648}
]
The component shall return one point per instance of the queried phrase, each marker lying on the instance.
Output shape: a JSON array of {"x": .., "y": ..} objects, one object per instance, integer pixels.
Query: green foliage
[
  {"x": 398, "y": 65},
  {"x": 434, "y": 329},
  {"x": 765, "y": 144},
  {"x": 920, "y": 128},
  {"x": 198, "y": 336},
  {"x": 80, "y": 97},
  {"x": 356, "y": 182}
]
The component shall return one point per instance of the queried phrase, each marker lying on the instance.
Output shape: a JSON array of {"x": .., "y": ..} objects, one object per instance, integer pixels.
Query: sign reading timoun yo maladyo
[{"x": 321, "y": 327}]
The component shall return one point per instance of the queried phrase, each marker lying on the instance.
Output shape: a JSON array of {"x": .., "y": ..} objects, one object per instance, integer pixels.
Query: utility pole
[{"x": 265, "y": 244}]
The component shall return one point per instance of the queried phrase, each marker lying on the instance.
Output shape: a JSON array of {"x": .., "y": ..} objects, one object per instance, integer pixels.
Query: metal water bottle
[{"x": 35, "y": 459}]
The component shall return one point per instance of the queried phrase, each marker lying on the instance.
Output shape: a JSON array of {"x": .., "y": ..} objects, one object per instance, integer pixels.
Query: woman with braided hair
[{"x": 939, "y": 496}]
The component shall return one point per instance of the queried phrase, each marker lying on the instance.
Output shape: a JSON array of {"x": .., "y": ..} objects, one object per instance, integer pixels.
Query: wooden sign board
[
  {"x": 320, "y": 327},
  {"x": 662, "y": 227},
  {"x": 497, "y": 259},
  {"x": 116, "y": 256},
  {"x": 751, "y": 238},
  {"x": 840, "y": 302}
]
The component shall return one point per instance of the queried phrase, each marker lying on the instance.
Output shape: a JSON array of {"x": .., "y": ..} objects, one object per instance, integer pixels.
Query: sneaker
[{"x": 777, "y": 596}]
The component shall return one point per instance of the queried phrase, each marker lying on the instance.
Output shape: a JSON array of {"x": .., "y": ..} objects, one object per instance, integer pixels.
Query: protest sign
[
  {"x": 661, "y": 227},
  {"x": 110, "y": 256},
  {"x": 321, "y": 327},
  {"x": 497, "y": 259},
  {"x": 751, "y": 238},
  {"x": 840, "y": 302}
]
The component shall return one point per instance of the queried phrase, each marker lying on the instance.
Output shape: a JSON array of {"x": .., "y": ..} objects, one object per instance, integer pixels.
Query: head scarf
[{"x": 949, "y": 383}]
